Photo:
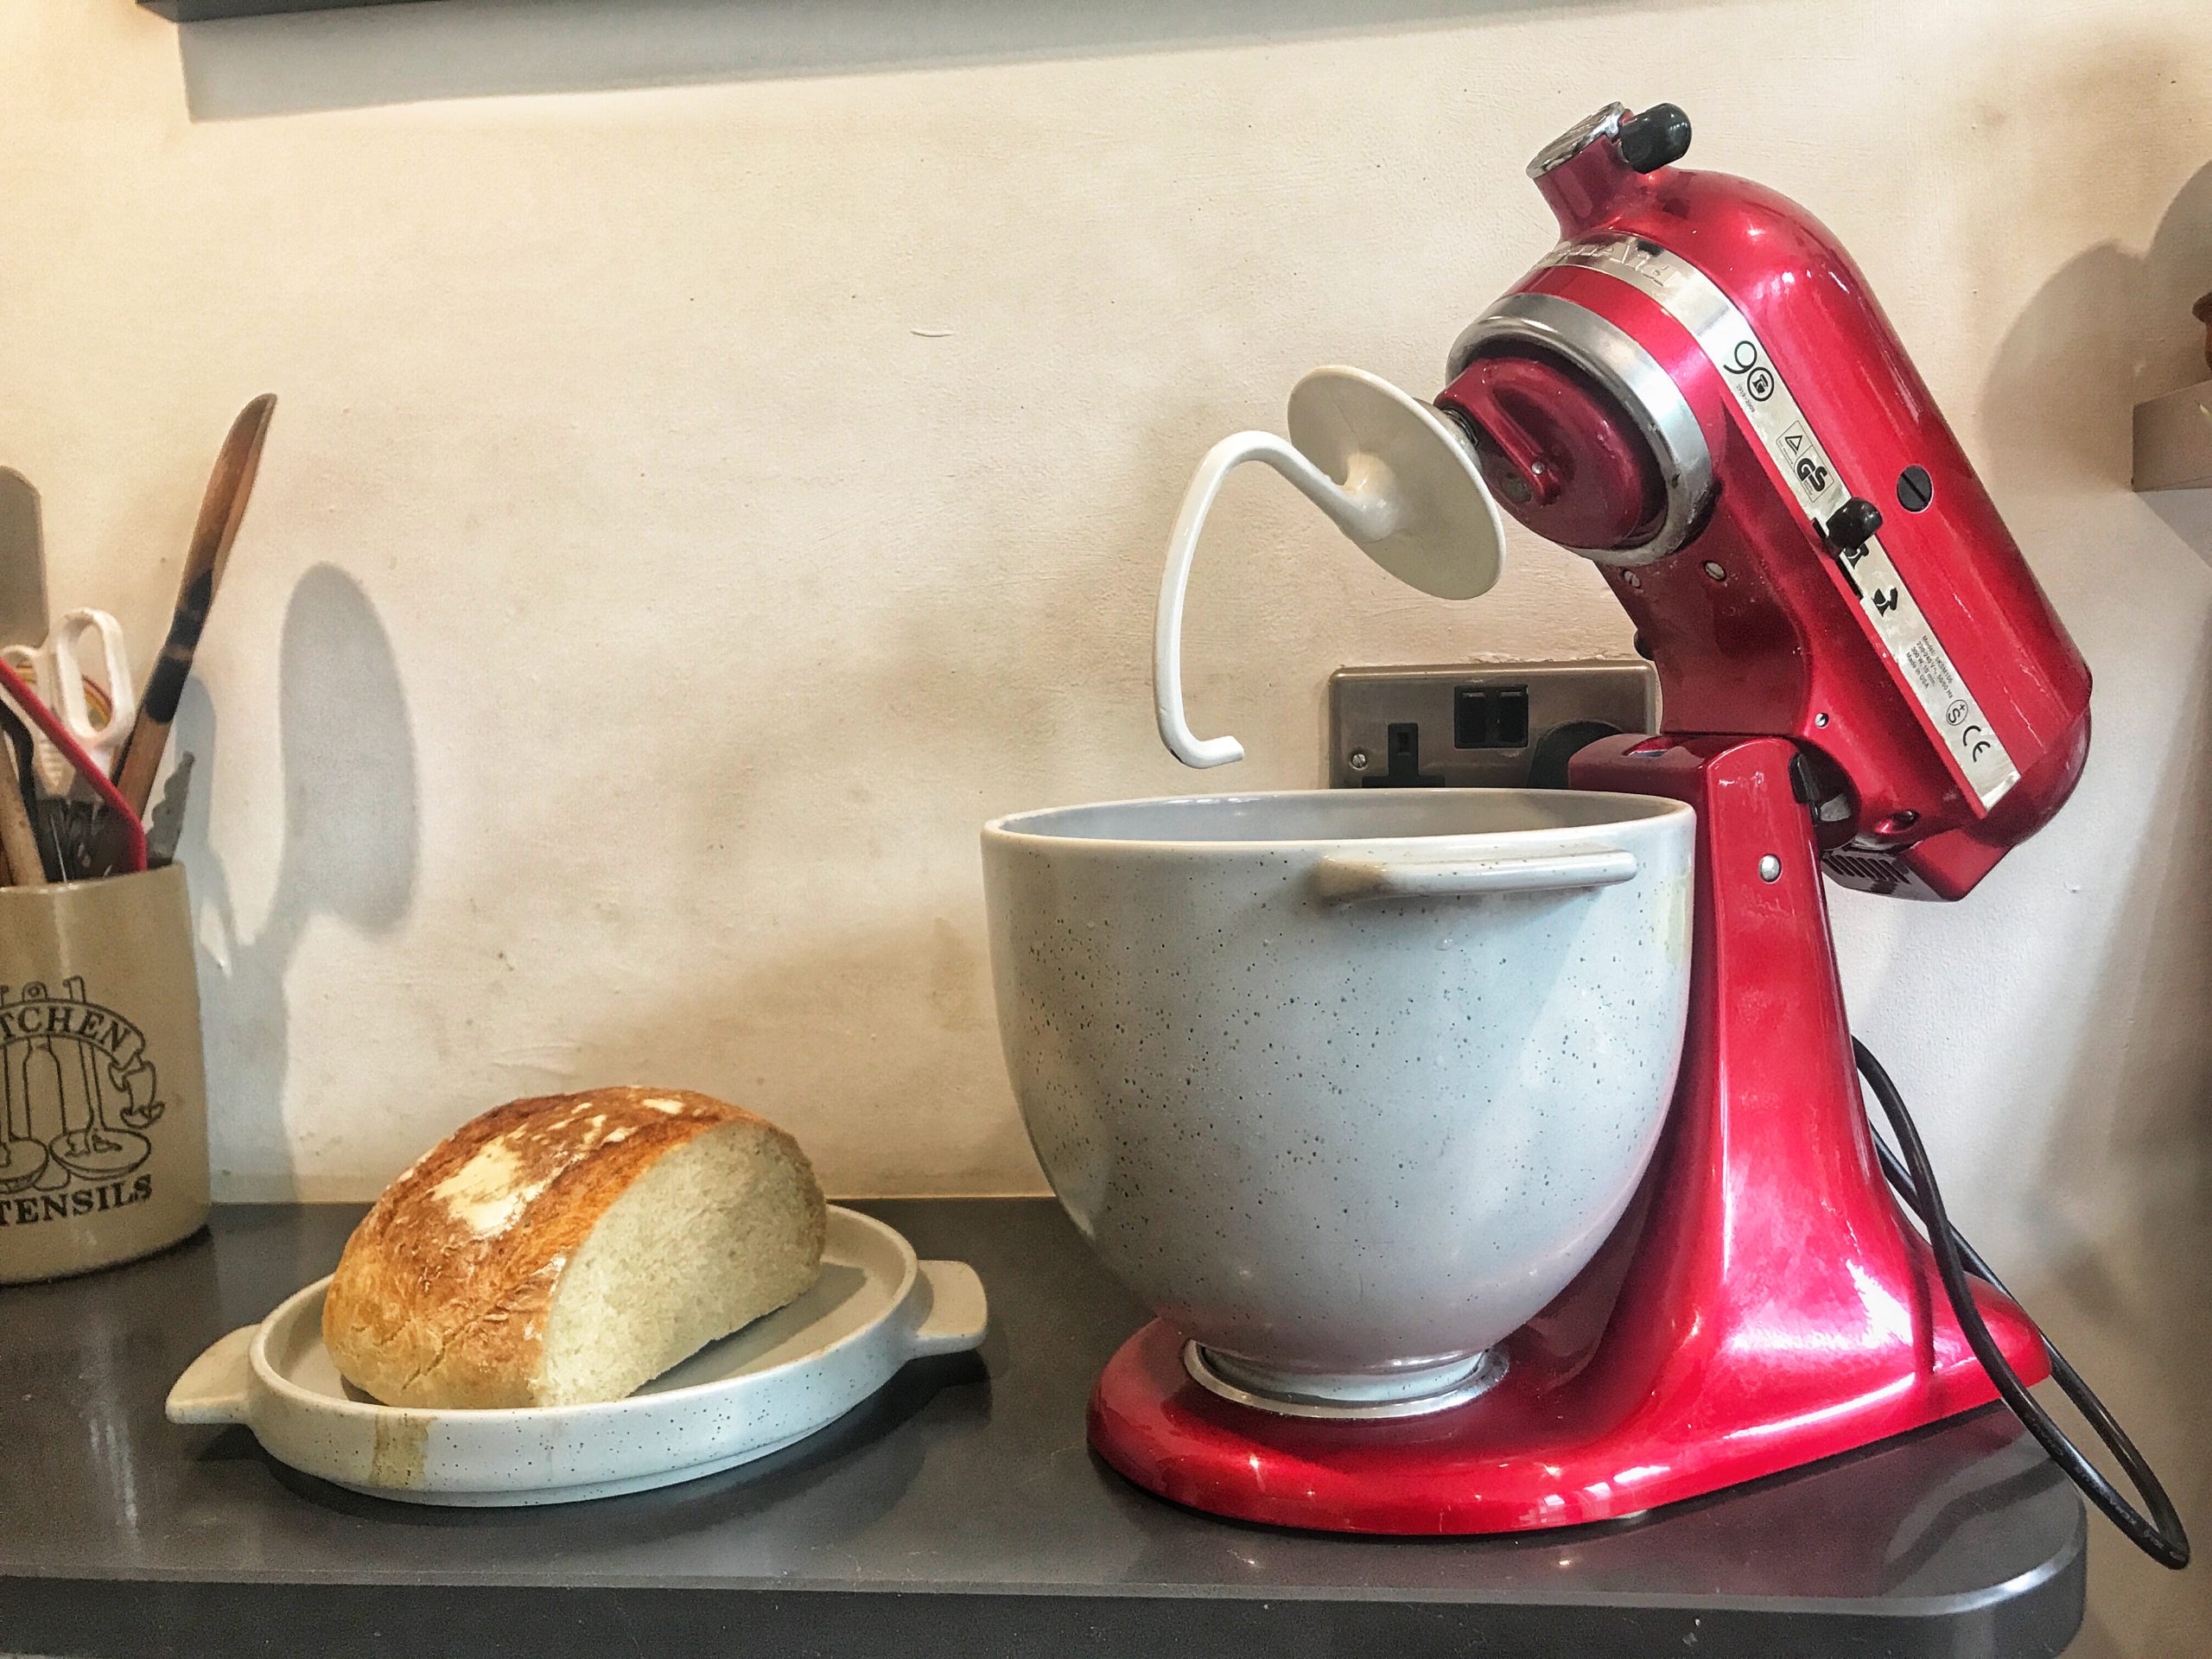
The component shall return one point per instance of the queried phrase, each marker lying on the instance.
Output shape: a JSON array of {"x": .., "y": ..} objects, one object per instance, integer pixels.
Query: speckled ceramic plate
[{"x": 754, "y": 1392}]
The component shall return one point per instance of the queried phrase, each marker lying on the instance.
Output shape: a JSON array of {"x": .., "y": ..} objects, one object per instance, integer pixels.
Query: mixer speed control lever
[
  {"x": 1848, "y": 529},
  {"x": 1852, "y": 525}
]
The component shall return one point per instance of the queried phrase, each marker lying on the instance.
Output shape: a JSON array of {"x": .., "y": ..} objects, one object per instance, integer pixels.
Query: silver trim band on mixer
[
  {"x": 1617, "y": 361},
  {"x": 1772, "y": 412},
  {"x": 1468, "y": 1380}
]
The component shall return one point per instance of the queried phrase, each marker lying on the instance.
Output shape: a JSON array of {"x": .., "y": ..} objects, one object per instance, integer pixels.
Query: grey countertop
[{"x": 958, "y": 1513}]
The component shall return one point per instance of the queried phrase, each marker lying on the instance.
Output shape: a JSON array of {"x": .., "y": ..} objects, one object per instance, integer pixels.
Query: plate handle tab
[
  {"x": 213, "y": 1387},
  {"x": 958, "y": 1314}
]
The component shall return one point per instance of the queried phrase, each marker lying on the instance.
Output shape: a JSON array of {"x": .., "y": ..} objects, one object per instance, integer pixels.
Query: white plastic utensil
[
  {"x": 56, "y": 671},
  {"x": 1392, "y": 474},
  {"x": 754, "y": 1392}
]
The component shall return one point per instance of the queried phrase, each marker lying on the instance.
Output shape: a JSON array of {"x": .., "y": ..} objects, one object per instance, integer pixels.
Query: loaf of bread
[{"x": 566, "y": 1249}]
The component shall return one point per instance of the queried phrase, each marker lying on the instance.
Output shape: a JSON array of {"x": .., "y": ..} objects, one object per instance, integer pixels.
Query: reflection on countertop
[{"x": 967, "y": 1475}]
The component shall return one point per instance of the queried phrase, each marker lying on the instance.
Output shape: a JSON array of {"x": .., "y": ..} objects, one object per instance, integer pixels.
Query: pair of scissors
[
  {"x": 97, "y": 707},
  {"x": 110, "y": 822}
]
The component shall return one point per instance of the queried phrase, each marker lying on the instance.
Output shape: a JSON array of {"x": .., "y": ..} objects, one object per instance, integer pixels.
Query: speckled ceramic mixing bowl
[{"x": 1347, "y": 1084}]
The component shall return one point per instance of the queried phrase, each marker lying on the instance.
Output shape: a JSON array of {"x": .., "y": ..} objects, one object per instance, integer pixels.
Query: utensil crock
[{"x": 104, "y": 1148}]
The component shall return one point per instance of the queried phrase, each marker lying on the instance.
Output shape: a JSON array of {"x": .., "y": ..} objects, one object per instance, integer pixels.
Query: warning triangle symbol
[{"x": 1795, "y": 439}]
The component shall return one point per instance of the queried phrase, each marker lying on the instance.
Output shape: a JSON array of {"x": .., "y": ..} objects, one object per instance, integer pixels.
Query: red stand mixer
[{"x": 1860, "y": 678}]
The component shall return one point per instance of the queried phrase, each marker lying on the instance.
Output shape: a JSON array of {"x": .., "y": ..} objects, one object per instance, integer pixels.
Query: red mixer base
[
  {"x": 1765, "y": 1304},
  {"x": 1537, "y": 1451}
]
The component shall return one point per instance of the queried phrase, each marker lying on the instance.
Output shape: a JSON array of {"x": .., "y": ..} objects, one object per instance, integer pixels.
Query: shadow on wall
[
  {"x": 2126, "y": 1183},
  {"x": 474, "y": 48},
  {"x": 2109, "y": 330},
  {"x": 351, "y": 833},
  {"x": 2131, "y": 1296}
]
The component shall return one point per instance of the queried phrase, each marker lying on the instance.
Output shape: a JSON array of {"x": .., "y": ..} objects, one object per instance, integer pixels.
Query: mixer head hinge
[{"x": 1823, "y": 790}]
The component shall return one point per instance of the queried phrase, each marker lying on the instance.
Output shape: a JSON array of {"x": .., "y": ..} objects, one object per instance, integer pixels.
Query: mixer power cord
[{"x": 2160, "y": 1537}]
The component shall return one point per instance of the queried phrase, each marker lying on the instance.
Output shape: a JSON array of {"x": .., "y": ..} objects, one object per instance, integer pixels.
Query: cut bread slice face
[{"x": 568, "y": 1249}]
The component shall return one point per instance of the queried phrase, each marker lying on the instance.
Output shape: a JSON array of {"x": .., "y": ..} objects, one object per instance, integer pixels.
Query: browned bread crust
[{"x": 442, "y": 1292}]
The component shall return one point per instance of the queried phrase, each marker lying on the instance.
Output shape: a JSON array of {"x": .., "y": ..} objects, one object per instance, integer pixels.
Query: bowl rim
[{"x": 1637, "y": 810}]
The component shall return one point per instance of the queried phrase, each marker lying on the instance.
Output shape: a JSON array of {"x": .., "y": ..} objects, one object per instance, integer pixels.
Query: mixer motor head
[{"x": 1696, "y": 390}]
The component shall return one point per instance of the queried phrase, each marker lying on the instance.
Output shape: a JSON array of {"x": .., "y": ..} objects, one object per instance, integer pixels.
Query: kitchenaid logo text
[
  {"x": 1647, "y": 259},
  {"x": 79, "y": 1091}
]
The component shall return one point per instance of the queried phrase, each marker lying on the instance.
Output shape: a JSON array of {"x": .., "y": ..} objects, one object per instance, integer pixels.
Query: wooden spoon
[
  {"x": 221, "y": 510},
  {"x": 20, "y": 864}
]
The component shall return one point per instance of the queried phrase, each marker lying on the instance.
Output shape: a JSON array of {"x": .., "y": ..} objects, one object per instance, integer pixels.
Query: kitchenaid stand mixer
[{"x": 1861, "y": 678}]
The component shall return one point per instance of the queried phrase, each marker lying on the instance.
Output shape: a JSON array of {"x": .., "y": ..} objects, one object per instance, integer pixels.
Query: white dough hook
[{"x": 1390, "y": 472}]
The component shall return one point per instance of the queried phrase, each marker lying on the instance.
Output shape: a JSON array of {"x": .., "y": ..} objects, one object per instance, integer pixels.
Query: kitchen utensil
[
  {"x": 221, "y": 511},
  {"x": 165, "y": 824},
  {"x": 98, "y": 708},
  {"x": 43, "y": 812},
  {"x": 69, "y": 831},
  {"x": 1392, "y": 474},
  {"x": 118, "y": 825},
  {"x": 23, "y": 562},
  {"x": 103, "y": 1155},
  {"x": 1346, "y": 1085},
  {"x": 65, "y": 829},
  {"x": 22, "y": 862},
  {"x": 754, "y": 1392},
  {"x": 1859, "y": 678}
]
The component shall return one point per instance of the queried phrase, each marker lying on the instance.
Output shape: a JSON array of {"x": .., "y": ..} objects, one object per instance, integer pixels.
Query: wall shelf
[{"x": 2173, "y": 441}]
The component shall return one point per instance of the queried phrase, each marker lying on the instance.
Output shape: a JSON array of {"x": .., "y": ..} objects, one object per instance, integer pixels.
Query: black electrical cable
[{"x": 2161, "y": 1537}]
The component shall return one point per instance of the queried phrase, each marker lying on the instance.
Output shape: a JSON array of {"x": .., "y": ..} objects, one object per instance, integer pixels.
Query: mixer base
[{"x": 1540, "y": 1449}]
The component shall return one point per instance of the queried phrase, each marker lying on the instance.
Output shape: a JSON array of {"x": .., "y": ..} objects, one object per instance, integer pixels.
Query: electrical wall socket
[{"x": 1487, "y": 726}]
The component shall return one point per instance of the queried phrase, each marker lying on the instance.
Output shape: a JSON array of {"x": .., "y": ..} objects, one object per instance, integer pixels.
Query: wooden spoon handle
[
  {"x": 18, "y": 841},
  {"x": 148, "y": 736},
  {"x": 221, "y": 511}
]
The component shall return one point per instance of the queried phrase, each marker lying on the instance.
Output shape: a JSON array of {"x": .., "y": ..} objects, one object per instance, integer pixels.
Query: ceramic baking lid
[{"x": 754, "y": 1392}]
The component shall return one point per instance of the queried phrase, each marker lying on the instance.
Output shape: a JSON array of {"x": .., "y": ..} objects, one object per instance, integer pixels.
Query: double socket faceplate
[{"x": 1487, "y": 726}]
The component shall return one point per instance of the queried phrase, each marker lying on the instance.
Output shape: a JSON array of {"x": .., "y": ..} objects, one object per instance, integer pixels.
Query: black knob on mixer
[
  {"x": 1656, "y": 137},
  {"x": 1852, "y": 525}
]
